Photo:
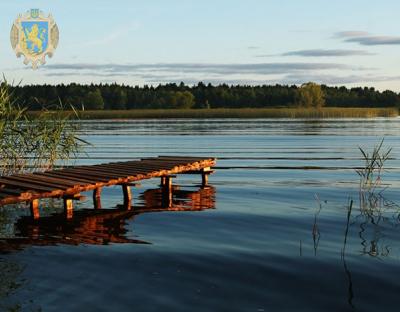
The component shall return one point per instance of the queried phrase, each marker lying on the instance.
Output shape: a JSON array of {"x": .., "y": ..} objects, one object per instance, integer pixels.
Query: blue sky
[{"x": 352, "y": 43}]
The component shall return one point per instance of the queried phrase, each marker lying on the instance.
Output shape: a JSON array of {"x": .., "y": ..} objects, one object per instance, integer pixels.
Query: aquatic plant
[
  {"x": 315, "y": 231},
  {"x": 370, "y": 174},
  {"x": 34, "y": 142},
  {"x": 303, "y": 113}
]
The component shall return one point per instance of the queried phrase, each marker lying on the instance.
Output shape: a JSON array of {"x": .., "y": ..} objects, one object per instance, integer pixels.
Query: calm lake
[{"x": 273, "y": 232}]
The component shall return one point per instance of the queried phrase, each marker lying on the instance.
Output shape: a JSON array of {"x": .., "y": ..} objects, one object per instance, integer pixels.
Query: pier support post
[
  {"x": 97, "y": 198},
  {"x": 205, "y": 173},
  {"x": 162, "y": 181},
  {"x": 126, "y": 189},
  {"x": 34, "y": 207},
  {"x": 166, "y": 200},
  {"x": 68, "y": 208},
  {"x": 204, "y": 179}
]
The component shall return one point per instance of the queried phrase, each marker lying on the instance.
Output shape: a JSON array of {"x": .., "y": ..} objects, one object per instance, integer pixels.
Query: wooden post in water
[
  {"x": 127, "y": 196},
  {"x": 204, "y": 179},
  {"x": 166, "y": 200},
  {"x": 34, "y": 207},
  {"x": 168, "y": 183},
  {"x": 68, "y": 208},
  {"x": 97, "y": 198},
  {"x": 204, "y": 176}
]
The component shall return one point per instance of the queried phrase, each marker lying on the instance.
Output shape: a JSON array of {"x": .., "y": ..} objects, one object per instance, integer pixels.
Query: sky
[{"x": 351, "y": 43}]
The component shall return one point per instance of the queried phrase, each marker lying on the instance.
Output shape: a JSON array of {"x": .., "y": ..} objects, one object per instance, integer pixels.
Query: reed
[
  {"x": 315, "y": 231},
  {"x": 370, "y": 174},
  {"x": 305, "y": 113},
  {"x": 34, "y": 142}
]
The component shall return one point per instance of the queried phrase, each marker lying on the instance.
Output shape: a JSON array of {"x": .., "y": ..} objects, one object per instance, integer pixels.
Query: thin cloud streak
[
  {"x": 188, "y": 68},
  {"x": 351, "y": 33},
  {"x": 337, "y": 79},
  {"x": 375, "y": 40},
  {"x": 367, "y": 39},
  {"x": 322, "y": 53}
]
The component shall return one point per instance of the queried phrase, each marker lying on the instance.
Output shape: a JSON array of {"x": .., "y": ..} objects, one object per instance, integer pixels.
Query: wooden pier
[{"x": 69, "y": 183}]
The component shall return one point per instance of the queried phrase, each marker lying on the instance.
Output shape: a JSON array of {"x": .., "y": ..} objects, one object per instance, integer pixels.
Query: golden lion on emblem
[{"x": 36, "y": 38}]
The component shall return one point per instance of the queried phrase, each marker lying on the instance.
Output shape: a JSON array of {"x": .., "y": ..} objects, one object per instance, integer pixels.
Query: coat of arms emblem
[{"x": 33, "y": 35}]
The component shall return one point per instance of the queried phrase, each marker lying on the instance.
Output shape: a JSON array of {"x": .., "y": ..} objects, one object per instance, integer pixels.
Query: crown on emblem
[{"x": 35, "y": 13}]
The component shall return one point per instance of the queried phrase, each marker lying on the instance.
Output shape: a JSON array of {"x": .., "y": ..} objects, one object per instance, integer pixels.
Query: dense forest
[{"x": 114, "y": 96}]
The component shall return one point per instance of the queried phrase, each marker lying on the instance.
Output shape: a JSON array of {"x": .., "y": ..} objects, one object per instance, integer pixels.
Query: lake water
[{"x": 271, "y": 233}]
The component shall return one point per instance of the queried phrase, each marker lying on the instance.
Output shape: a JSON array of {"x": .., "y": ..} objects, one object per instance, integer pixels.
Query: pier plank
[{"x": 72, "y": 181}]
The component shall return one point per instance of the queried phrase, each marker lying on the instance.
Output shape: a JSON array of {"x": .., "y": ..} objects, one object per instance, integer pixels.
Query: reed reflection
[
  {"x": 376, "y": 214},
  {"x": 104, "y": 226}
]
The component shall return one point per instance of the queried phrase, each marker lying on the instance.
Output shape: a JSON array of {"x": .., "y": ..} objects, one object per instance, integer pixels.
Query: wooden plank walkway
[{"x": 68, "y": 183}]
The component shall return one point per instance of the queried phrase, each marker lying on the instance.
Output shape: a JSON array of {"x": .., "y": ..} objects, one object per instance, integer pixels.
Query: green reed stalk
[
  {"x": 370, "y": 174},
  {"x": 32, "y": 143}
]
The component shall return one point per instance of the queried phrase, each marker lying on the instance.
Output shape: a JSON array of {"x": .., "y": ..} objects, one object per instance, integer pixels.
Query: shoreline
[{"x": 248, "y": 113}]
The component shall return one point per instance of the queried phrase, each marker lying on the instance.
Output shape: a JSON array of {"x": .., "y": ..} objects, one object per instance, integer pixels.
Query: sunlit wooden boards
[{"x": 68, "y": 182}]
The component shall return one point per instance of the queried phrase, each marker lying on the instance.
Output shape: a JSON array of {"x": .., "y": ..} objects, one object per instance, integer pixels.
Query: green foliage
[
  {"x": 115, "y": 97},
  {"x": 93, "y": 100},
  {"x": 310, "y": 95},
  {"x": 29, "y": 143},
  {"x": 221, "y": 96},
  {"x": 182, "y": 100}
]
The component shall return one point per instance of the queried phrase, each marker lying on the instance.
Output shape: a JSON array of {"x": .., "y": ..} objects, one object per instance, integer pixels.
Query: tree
[
  {"x": 310, "y": 95},
  {"x": 183, "y": 100},
  {"x": 93, "y": 100},
  {"x": 119, "y": 99},
  {"x": 35, "y": 97}
]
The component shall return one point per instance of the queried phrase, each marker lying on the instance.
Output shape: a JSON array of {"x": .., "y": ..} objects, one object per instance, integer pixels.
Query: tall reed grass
[
  {"x": 327, "y": 112},
  {"x": 34, "y": 142},
  {"x": 370, "y": 174}
]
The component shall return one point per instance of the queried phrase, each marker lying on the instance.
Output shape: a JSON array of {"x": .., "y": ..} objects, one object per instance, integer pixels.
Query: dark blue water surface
[{"x": 273, "y": 232}]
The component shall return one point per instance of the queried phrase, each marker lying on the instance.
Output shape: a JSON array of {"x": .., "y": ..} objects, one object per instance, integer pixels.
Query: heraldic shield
[{"x": 34, "y": 36}]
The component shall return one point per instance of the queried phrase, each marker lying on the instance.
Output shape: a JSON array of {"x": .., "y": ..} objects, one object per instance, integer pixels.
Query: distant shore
[{"x": 327, "y": 112}]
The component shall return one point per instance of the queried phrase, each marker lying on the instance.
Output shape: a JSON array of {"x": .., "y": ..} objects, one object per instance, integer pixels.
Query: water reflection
[
  {"x": 104, "y": 226},
  {"x": 350, "y": 292},
  {"x": 376, "y": 213},
  {"x": 315, "y": 232},
  {"x": 373, "y": 220}
]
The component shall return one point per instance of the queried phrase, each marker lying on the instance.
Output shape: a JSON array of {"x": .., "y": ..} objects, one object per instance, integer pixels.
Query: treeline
[{"x": 181, "y": 96}]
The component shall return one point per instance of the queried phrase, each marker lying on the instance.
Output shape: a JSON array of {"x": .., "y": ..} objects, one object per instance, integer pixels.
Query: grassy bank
[{"x": 327, "y": 112}]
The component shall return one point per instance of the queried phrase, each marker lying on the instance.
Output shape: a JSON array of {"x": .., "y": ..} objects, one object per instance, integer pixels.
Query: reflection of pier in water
[{"x": 104, "y": 226}]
